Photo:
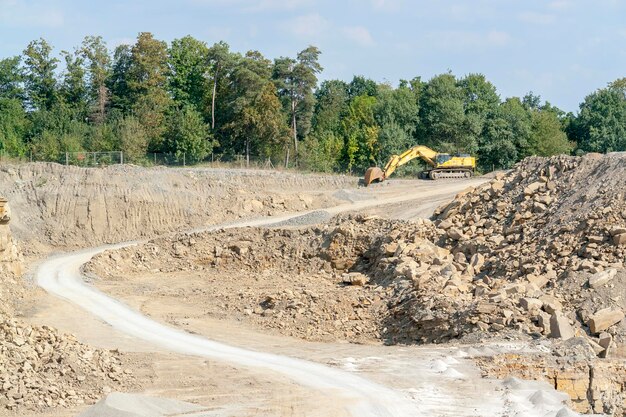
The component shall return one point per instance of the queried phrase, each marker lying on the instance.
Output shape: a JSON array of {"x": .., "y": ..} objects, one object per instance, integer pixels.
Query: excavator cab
[{"x": 442, "y": 158}]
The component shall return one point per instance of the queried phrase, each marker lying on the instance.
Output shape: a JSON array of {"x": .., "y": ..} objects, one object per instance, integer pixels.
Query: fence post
[
  {"x": 67, "y": 158},
  {"x": 122, "y": 157},
  {"x": 31, "y": 155},
  {"x": 154, "y": 158}
]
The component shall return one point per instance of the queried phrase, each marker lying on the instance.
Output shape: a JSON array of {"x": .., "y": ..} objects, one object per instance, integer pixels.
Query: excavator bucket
[{"x": 373, "y": 174}]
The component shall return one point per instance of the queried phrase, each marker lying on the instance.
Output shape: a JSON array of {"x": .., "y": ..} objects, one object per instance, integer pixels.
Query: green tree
[
  {"x": 361, "y": 86},
  {"x": 220, "y": 62},
  {"x": 147, "y": 85},
  {"x": 360, "y": 133},
  {"x": 11, "y": 78},
  {"x": 296, "y": 79},
  {"x": 41, "y": 86},
  {"x": 257, "y": 121},
  {"x": 331, "y": 102},
  {"x": 13, "y": 127},
  {"x": 547, "y": 136},
  {"x": 397, "y": 114},
  {"x": 132, "y": 138},
  {"x": 506, "y": 136},
  {"x": 73, "y": 89},
  {"x": 323, "y": 147},
  {"x": 117, "y": 83},
  {"x": 442, "y": 113},
  {"x": 480, "y": 98},
  {"x": 94, "y": 50},
  {"x": 188, "y": 135},
  {"x": 188, "y": 72},
  {"x": 601, "y": 122}
]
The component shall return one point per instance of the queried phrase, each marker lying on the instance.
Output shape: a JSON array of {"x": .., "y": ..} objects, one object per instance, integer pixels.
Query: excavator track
[{"x": 440, "y": 174}]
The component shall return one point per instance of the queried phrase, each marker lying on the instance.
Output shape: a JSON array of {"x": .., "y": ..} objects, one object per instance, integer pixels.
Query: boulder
[
  {"x": 603, "y": 319},
  {"x": 455, "y": 234},
  {"x": 477, "y": 261},
  {"x": 355, "y": 278},
  {"x": 538, "y": 280},
  {"x": 601, "y": 278},
  {"x": 551, "y": 304},
  {"x": 560, "y": 327},
  {"x": 530, "y": 304},
  {"x": 533, "y": 188},
  {"x": 605, "y": 340},
  {"x": 620, "y": 239}
]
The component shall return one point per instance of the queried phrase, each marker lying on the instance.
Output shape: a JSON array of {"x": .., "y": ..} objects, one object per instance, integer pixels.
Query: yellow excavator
[{"x": 443, "y": 165}]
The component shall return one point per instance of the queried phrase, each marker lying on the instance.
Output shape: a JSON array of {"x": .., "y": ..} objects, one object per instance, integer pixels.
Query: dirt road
[{"x": 441, "y": 388}]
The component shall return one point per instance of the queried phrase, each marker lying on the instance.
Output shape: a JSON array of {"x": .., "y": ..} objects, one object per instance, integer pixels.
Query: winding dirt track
[{"x": 61, "y": 276}]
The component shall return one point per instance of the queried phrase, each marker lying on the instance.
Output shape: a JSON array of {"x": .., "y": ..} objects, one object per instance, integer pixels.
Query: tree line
[{"x": 189, "y": 98}]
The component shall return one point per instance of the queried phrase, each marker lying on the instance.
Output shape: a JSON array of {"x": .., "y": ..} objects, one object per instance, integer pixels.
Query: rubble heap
[
  {"x": 40, "y": 367},
  {"x": 549, "y": 239}
]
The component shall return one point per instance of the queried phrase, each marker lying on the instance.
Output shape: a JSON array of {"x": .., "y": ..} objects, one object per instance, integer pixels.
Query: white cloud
[
  {"x": 560, "y": 4},
  {"x": 307, "y": 26},
  {"x": 497, "y": 38},
  {"x": 359, "y": 34},
  {"x": 454, "y": 39},
  {"x": 257, "y": 5},
  {"x": 386, "y": 5},
  {"x": 536, "y": 18},
  {"x": 20, "y": 13}
]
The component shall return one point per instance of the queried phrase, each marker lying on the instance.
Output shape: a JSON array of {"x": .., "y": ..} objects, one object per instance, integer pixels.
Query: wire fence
[{"x": 100, "y": 159}]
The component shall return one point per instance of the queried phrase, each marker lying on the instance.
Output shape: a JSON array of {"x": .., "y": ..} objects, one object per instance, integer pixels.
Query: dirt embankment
[
  {"x": 537, "y": 253},
  {"x": 57, "y": 206}
]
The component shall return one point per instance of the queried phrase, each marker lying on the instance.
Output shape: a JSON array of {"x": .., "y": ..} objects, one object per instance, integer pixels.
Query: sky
[{"x": 561, "y": 50}]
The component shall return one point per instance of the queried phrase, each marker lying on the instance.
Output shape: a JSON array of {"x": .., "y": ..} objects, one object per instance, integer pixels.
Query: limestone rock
[
  {"x": 601, "y": 278},
  {"x": 560, "y": 327},
  {"x": 620, "y": 240},
  {"x": 603, "y": 319}
]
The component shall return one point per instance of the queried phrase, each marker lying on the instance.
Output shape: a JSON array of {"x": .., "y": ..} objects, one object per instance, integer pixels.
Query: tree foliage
[{"x": 190, "y": 99}]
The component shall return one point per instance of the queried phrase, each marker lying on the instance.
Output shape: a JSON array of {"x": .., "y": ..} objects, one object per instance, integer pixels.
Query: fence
[
  {"x": 98, "y": 159},
  {"x": 94, "y": 158}
]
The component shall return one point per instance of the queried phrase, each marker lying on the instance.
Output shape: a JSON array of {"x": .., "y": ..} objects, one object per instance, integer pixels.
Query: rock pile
[
  {"x": 40, "y": 367},
  {"x": 548, "y": 235}
]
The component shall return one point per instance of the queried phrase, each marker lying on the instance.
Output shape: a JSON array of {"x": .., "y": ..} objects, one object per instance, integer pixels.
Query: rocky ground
[
  {"x": 536, "y": 254},
  {"x": 58, "y": 208},
  {"x": 39, "y": 366}
]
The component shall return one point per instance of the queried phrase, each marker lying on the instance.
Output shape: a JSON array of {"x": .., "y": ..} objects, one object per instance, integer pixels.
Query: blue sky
[{"x": 561, "y": 49}]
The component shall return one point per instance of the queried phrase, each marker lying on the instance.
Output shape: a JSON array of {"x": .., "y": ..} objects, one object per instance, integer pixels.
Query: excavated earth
[
  {"x": 54, "y": 207},
  {"x": 65, "y": 207},
  {"x": 536, "y": 254}
]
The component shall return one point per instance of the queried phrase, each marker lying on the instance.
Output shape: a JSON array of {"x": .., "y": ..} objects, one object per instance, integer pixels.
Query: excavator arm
[
  {"x": 424, "y": 152},
  {"x": 376, "y": 174}
]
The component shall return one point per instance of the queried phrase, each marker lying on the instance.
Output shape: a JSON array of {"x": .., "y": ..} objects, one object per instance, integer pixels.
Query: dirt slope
[{"x": 69, "y": 207}]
